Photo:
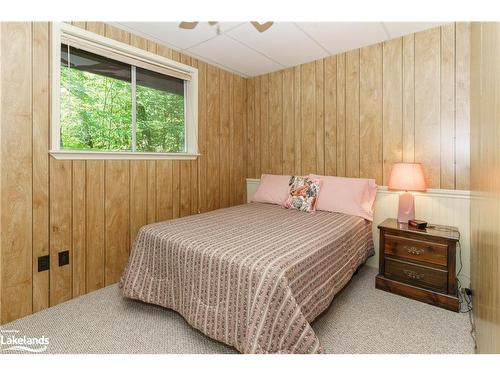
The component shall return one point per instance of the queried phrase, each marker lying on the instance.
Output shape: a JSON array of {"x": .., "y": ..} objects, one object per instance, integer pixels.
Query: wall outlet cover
[
  {"x": 43, "y": 263},
  {"x": 63, "y": 258}
]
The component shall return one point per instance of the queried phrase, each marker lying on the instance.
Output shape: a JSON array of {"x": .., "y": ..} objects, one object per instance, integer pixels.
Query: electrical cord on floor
[{"x": 464, "y": 297}]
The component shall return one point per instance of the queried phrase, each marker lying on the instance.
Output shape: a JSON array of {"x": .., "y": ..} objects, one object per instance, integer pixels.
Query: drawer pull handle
[
  {"x": 413, "y": 275},
  {"x": 414, "y": 250}
]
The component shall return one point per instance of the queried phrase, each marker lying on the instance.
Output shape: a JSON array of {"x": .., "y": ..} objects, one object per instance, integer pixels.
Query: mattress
[{"x": 252, "y": 276}]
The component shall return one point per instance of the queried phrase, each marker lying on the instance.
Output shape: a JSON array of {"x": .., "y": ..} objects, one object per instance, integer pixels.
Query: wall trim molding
[
  {"x": 125, "y": 155},
  {"x": 451, "y": 193}
]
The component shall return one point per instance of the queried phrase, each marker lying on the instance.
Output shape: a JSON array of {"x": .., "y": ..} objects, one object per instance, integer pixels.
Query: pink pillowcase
[
  {"x": 272, "y": 189},
  {"x": 352, "y": 196}
]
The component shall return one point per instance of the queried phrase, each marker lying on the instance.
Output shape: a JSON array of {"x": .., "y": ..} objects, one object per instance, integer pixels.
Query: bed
[{"x": 252, "y": 276}]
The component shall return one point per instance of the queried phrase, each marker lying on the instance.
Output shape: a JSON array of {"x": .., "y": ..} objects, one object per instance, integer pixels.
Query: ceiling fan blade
[
  {"x": 188, "y": 25},
  {"x": 261, "y": 27}
]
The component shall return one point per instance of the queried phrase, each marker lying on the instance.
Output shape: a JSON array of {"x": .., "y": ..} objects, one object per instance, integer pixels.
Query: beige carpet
[{"x": 360, "y": 320}]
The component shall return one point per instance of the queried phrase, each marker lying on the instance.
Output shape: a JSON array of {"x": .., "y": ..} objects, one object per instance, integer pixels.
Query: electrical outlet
[
  {"x": 43, "y": 263},
  {"x": 63, "y": 258}
]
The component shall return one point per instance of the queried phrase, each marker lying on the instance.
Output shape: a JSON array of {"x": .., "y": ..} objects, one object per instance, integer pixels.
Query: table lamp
[{"x": 407, "y": 177}]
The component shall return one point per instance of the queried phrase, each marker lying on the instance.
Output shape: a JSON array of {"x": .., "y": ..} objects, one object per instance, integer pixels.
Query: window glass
[
  {"x": 96, "y": 106},
  {"x": 160, "y": 112},
  {"x": 95, "y": 99}
]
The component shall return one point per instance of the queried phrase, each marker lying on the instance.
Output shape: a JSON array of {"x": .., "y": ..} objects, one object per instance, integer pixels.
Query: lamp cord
[{"x": 465, "y": 298}]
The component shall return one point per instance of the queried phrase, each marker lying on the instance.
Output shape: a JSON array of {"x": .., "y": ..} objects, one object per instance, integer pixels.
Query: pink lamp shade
[{"x": 407, "y": 177}]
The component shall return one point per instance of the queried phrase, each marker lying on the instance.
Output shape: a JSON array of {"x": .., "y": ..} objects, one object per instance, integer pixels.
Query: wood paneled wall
[
  {"x": 485, "y": 184},
  {"x": 352, "y": 114},
  {"x": 356, "y": 113},
  {"x": 94, "y": 208}
]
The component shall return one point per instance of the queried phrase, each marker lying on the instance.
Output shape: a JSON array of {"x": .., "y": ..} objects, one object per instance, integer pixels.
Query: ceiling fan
[{"x": 261, "y": 27}]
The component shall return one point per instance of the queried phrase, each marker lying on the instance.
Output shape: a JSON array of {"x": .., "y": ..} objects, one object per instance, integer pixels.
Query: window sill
[{"x": 102, "y": 155}]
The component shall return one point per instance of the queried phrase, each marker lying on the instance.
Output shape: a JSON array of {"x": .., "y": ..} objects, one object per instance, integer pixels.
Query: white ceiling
[{"x": 240, "y": 48}]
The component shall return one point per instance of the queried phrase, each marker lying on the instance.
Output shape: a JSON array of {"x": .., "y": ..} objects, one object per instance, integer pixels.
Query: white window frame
[{"x": 190, "y": 99}]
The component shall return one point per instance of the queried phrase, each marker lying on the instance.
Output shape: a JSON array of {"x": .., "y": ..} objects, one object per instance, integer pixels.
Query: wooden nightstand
[{"x": 419, "y": 264}]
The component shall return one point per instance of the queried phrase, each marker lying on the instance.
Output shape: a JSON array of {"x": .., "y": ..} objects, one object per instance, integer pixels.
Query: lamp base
[{"x": 406, "y": 208}]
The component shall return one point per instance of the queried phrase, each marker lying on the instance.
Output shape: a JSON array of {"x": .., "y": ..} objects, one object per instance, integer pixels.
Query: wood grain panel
[
  {"x": 447, "y": 106},
  {"x": 256, "y": 128},
  {"x": 138, "y": 196},
  {"x": 175, "y": 203},
  {"x": 16, "y": 170},
  {"x": 331, "y": 116},
  {"x": 342, "y": 124},
  {"x": 151, "y": 213},
  {"x": 185, "y": 188},
  {"x": 341, "y": 116},
  {"x": 116, "y": 219},
  {"x": 166, "y": 52},
  {"x": 392, "y": 106},
  {"x": 138, "y": 42},
  {"x": 151, "y": 187},
  {"x": 264, "y": 124},
  {"x": 232, "y": 162},
  {"x": 96, "y": 27},
  {"x": 485, "y": 204},
  {"x": 193, "y": 188},
  {"x": 462, "y": 105},
  {"x": 238, "y": 161},
  {"x": 251, "y": 154},
  {"x": 427, "y": 99},
  {"x": 40, "y": 162},
  {"x": 213, "y": 120},
  {"x": 241, "y": 105},
  {"x": 319, "y": 101},
  {"x": 95, "y": 224},
  {"x": 352, "y": 114},
  {"x": 370, "y": 117},
  {"x": 116, "y": 33},
  {"x": 223, "y": 139},
  {"x": 307, "y": 110},
  {"x": 164, "y": 190},
  {"x": 288, "y": 135},
  {"x": 297, "y": 100},
  {"x": 276, "y": 123},
  {"x": 409, "y": 98},
  {"x": 78, "y": 228},
  {"x": 202, "y": 134},
  {"x": 80, "y": 24},
  {"x": 61, "y": 285}
]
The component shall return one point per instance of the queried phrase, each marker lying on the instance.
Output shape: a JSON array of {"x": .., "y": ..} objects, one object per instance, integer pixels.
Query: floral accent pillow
[{"x": 302, "y": 193}]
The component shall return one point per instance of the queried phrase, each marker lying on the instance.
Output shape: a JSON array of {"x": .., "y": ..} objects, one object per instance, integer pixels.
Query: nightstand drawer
[
  {"x": 426, "y": 277},
  {"x": 412, "y": 249}
]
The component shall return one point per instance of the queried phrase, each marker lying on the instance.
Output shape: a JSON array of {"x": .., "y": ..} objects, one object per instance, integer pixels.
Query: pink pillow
[
  {"x": 352, "y": 196},
  {"x": 272, "y": 189}
]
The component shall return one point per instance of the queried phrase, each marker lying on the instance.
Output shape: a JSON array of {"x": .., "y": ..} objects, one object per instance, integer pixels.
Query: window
[{"x": 111, "y": 100}]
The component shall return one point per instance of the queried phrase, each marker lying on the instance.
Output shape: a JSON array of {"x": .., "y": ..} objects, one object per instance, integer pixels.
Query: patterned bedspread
[{"x": 252, "y": 276}]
